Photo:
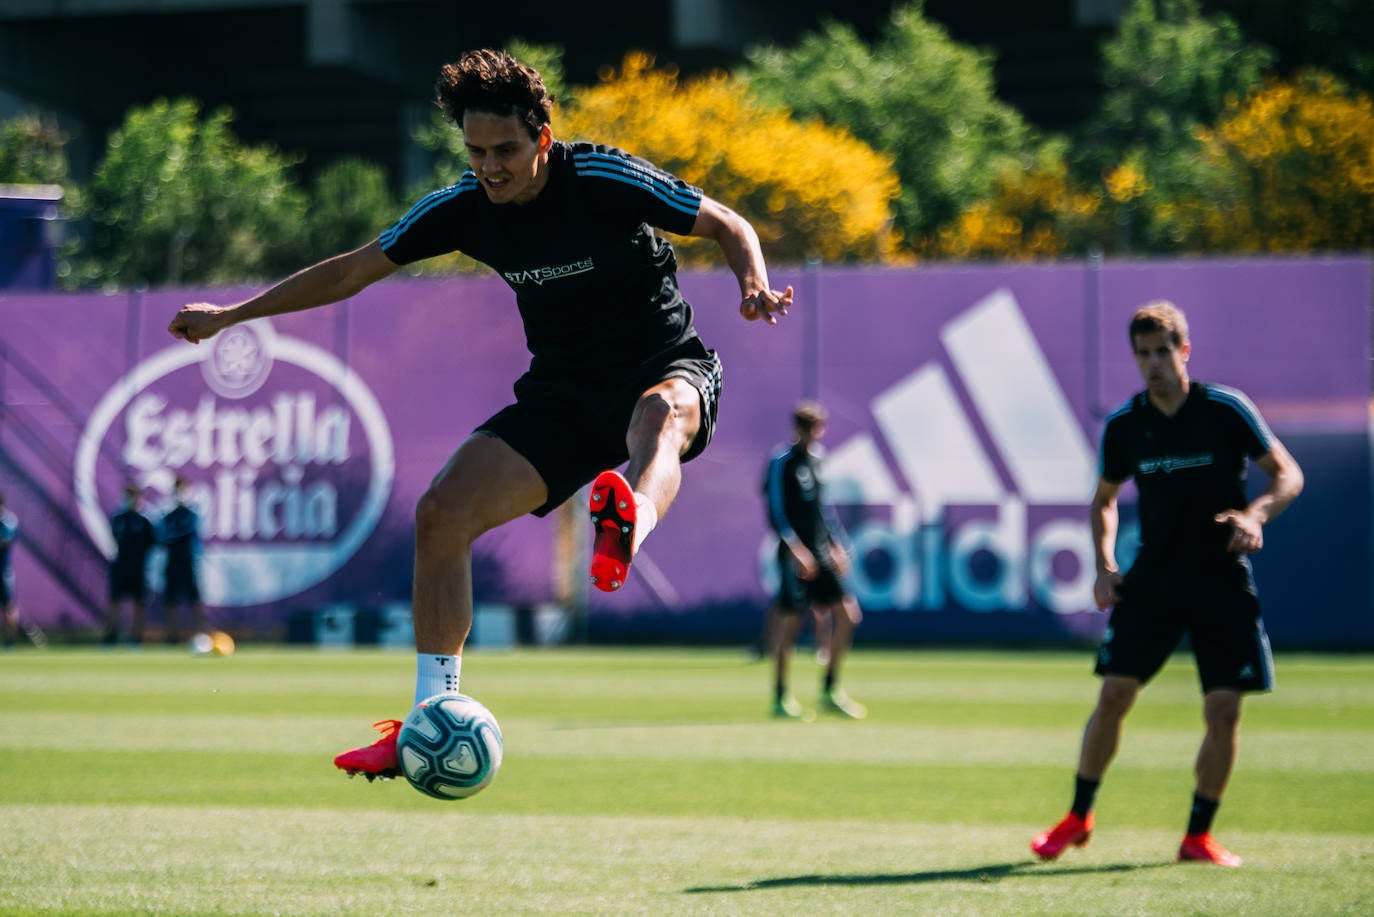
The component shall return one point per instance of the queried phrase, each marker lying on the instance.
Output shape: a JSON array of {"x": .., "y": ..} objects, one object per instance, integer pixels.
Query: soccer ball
[{"x": 450, "y": 747}]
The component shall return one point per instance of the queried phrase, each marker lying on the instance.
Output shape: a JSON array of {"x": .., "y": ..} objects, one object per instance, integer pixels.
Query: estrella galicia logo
[{"x": 288, "y": 455}]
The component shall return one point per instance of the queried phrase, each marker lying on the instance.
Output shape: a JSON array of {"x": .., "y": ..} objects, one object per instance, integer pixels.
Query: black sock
[
  {"x": 1204, "y": 810},
  {"x": 829, "y": 684},
  {"x": 1084, "y": 794},
  {"x": 779, "y": 691}
]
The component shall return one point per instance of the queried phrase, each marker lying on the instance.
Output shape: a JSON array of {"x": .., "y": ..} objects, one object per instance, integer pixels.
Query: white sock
[
  {"x": 646, "y": 517},
  {"x": 436, "y": 675}
]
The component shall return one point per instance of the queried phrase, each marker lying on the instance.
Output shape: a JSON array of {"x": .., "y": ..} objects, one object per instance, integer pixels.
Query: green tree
[
  {"x": 351, "y": 203},
  {"x": 1169, "y": 71},
  {"x": 916, "y": 95},
  {"x": 33, "y": 151},
  {"x": 177, "y": 199}
]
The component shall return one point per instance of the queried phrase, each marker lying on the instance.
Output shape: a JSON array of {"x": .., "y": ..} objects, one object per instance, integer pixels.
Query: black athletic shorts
[
  {"x": 181, "y": 587},
  {"x": 1217, "y": 608},
  {"x": 571, "y": 430},
  {"x": 795, "y": 594},
  {"x": 128, "y": 583},
  {"x": 6, "y": 589}
]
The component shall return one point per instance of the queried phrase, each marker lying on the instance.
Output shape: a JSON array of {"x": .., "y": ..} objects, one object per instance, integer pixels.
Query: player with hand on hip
[{"x": 1187, "y": 445}]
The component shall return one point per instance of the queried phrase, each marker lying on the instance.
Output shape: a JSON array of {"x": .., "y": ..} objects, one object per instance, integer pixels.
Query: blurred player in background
[
  {"x": 812, "y": 562},
  {"x": 179, "y": 531},
  {"x": 134, "y": 538},
  {"x": 1186, "y": 444},
  {"x": 9, "y": 534},
  {"x": 618, "y": 371}
]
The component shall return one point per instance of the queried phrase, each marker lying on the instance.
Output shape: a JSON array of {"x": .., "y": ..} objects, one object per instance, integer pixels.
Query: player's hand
[
  {"x": 766, "y": 305},
  {"x": 1106, "y": 591},
  {"x": 1247, "y": 534},
  {"x": 195, "y": 322},
  {"x": 840, "y": 557},
  {"x": 807, "y": 568}
]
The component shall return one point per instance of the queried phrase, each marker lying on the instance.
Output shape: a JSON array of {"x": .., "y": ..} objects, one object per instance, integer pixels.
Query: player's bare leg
[
  {"x": 785, "y": 643},
  {"x": 664, "y": 423},
  {"x": 1215, "y": 759},
  {"x": 844, "y": 616},
  {"x": 1101, "y": 738},
  {"x": 484, "y": 485}
]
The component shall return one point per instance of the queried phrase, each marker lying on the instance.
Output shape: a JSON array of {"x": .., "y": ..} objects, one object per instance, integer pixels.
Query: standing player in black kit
[
  {"x": 617, "y": 370},
  {"x": 1186, "y": 444}
]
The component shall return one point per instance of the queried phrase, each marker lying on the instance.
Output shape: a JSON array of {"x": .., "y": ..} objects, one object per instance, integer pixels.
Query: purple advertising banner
[{"x": 965, "y": 403}]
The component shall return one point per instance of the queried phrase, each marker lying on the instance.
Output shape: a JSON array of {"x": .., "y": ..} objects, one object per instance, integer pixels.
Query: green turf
[{"x": 651, "y": 782}]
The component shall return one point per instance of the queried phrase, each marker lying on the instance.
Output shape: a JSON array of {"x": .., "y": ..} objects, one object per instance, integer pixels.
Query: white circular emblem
[
  {"x": 283, "y": 551},
  {"x": 240, "y": 360}
]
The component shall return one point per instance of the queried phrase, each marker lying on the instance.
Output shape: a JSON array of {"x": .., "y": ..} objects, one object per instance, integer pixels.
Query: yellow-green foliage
[
  {"x": 1034, "y": 213},
  {"x": 1298, "y": 161},
  {"x": 808, "y": 189}
]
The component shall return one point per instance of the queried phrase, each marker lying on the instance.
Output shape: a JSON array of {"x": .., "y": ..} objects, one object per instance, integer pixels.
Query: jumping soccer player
[
  {"x": 617, "y": 369},
  {"x": 1186, "y": 444}
]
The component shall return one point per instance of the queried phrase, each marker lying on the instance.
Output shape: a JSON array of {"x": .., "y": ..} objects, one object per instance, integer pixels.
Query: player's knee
[
  {"x": 1116, "y": 698},
  {"x": 440, "y": 522},
  {"x": 1221, "y": 712}
]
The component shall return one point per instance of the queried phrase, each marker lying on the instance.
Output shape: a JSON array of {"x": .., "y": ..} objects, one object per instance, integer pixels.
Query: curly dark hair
[{"x": 495, "y": 83}]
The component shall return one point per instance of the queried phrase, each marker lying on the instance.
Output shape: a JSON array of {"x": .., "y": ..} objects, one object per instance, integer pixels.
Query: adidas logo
[{"x": 976, "y": 444}]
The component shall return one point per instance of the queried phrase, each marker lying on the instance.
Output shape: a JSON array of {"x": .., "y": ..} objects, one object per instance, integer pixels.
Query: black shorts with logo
[
  {"x": 571, "y": 430},
  {"x": 1215, "y": 606},
  {"x": 795, "y": 594}
]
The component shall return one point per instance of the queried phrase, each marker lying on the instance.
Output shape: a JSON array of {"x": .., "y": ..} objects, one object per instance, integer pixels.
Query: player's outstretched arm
[
  {"x": 325, "y": 282},
  {"x": 740, "y": 245}
]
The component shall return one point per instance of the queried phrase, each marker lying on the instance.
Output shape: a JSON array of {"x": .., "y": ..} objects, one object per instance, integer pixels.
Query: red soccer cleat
[
  {"x": 1203, "y": 848},
  {"x": 1071, "y": 831},
  {"x": 375, "y": 760},
  {"x": 613, "y": 516}
]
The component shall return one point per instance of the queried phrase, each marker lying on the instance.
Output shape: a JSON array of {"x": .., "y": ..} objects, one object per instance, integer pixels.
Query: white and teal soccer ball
[{"x": 450, "y": 747}]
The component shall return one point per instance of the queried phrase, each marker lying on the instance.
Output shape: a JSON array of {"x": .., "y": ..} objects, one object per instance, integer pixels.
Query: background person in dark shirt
[
  {"x": 134, "y": 537},
  {"x": 179, "y": 531},
  {"x": 1187, "y": 446},
  {"x": 812, "y": 562},
  {"x": 617, "y": 371}
]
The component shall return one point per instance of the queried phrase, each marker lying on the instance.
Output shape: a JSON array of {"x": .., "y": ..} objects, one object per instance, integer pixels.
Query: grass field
[{"x": 649, "y": 781}]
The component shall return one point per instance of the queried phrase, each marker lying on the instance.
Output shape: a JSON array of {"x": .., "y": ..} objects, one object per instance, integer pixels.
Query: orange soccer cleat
[
  {"x": 1203, "y": 848},
  {"x": 375, "y": 760},
  {"x": 614, "y": 513},
  {"x": 1072, "y": 831}
]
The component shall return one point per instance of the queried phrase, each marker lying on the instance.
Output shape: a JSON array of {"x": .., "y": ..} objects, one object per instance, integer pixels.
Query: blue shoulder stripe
[
  {"x": 1236, "y": 399},
  {"x": 427, "y": 203},
  {"x": 679, "y": 196},
  {"x": 776, "y": 512}
]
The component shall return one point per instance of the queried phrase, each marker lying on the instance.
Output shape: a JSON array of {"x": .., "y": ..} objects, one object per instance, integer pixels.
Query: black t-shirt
[
  {"x": 792, "y": 489},
  {"x": 596, "y": 288},
  {"x": 134, "y": 538},
  {"x": 1187, "y": 468},
  {"x": 181, "y": 534}
]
